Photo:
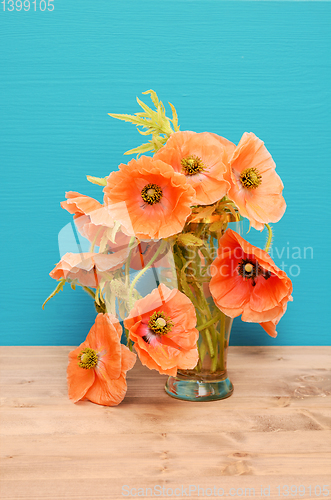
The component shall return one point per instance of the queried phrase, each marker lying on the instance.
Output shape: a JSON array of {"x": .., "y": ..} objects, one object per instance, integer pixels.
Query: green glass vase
[{"x": 209, "y": 380}]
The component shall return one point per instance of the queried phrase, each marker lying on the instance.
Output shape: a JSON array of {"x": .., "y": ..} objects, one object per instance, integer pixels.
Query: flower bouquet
[{"x": 174, "y": 220}]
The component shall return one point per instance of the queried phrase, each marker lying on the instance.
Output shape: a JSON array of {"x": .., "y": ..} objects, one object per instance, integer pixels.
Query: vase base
[{"x": 198, "y": 390}]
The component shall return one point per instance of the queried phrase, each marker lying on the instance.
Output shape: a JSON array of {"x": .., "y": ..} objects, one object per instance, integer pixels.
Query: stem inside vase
[{"x": 208, "y": 380}]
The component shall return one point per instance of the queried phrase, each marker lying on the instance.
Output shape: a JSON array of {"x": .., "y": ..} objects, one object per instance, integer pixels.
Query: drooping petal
[
  {"x": 269, "y": 293},
  {"x": 79, "y": 204},
  {"x": 107, "y": 392},
  {"x": 270, "y": 328},
  {"x": 261, "y": 297},
  {"x": 233, "y": 292},
  {"x": 103, "y": 337},
  {"x": 188, "y": 360},
  {"x": 79, "y": 379},
  {"x": 128, "y": 359},
  {"x": 167, "y": 351},
  {"x": 104, "y": 381},
  {"x": 87, "y": 267}
]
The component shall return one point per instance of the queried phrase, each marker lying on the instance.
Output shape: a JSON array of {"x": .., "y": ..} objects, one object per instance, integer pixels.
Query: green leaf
[
  {"x": 202, "y": 213},
  {"x": 189, "y": 240},
  {"x": 216, "y": 226},
  {"x": 144, "y": 148},
  {"x": 59, "y": 287},
  {"x": 153, "y": 96},
  {"x": 149, "y": 112},
  {"x": 145, "y": 132},
  {"x": 174, "y": 117},
  {"x": 159, "y": 115},
  {"x": 155, "y": 123},
  {"x": 101, "y": 181},
  {"x": 185, "y": 287},
  {"x": 104, "y": 240},
  {"x": 114, "y": 231},
  {"x": 136, "y": 120},
  {"x": 178, "y": 261}
]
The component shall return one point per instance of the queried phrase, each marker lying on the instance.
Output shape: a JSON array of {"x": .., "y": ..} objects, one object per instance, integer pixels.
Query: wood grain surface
[{"x": 273, "y": 432}]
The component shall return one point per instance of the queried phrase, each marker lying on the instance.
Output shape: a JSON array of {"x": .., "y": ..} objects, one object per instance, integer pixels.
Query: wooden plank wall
[{"x": 227, "y": 66}]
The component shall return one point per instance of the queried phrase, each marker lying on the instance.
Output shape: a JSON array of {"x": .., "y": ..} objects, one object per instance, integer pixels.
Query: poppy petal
[
  {"x": 107, "y": 392},
  {"x": 79, "y": 380}
]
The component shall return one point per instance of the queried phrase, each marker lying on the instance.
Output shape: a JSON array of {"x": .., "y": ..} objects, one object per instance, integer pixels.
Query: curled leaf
[
  {"x": 100, "y": 181},
  {"x": 216, "y": 226},
  {"x": 189, "y": 240},
  {"x": 174, "y": 117},
  {"x": 203, "y": 213},
  {"x": 59, "y": 287}
]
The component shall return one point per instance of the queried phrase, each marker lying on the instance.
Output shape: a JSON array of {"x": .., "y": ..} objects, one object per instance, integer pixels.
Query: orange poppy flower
[
  {"x": 156, "y": 199},
  {"x": 87, "y": 268},
  {"x": 246, "y": 281},
  {"x": 91, "y": 218},
  {"x": 97, "y": 368},
  {"x": 255, "y": 187},
  {"x": 201, "y": 158},
  {"x": 162, "y": 325}
]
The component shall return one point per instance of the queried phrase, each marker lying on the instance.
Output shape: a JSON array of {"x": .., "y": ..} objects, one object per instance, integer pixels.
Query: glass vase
[{"x": 209, "y": 379}]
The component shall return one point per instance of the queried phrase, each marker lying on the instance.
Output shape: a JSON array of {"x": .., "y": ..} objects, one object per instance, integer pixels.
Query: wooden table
[{"x": 272, "y": 433}]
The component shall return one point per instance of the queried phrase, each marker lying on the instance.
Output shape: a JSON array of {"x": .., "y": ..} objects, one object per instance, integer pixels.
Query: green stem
[
  {"x": 206, "y": 254},
  {"x": 210, "y": 322},
  {"x": 209, "y": 343},
  {"x": 202, "y": 353},
  {"x": 268, "y": 244},
  {"x": 95, "y": 239},
  {"x": 209, "y": 331},
  {"x": 214, "y": 360},
  {"x": 200, "y": 229},
  {"x": 127, "y": 263},
  {"x": 89, "y": 291},
  {"x": 205, "y": 337},
  {"x": 212, "y": 248},
  {"x": 129, "y": 342},
  {"x": 221, "y": 344},
  {"x": 139, "y": 275},
  {"x": 112, "y": 303},
  {"x": 198, "y": 366}
]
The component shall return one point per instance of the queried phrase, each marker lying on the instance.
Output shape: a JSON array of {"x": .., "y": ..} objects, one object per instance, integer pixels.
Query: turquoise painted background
[{"x": 229, "y": 67}]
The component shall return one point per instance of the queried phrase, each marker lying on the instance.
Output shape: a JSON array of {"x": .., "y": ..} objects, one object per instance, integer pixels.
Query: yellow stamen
[
  {"x": 88, "y": 358},
  {"x": 159, "y": 323},
  {"x": 151, "y": 194},
  {"x": 251, "y": 178},
  {"x": 192, "y": 165}
]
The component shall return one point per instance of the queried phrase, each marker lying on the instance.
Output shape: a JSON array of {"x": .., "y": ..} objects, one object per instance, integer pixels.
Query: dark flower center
[
  {"x": 251, "y": 270},
  {"x": 159, "y": 323},
  {"x": 192, "y": 165},
  {"x": 250, "y": 178},
  {"x": 151, "y": 194},
  {"x": 88, "y": 358}
]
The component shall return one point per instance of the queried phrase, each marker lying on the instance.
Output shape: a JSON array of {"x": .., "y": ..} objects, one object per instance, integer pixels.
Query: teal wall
[{"x": 228, "y": 67}]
